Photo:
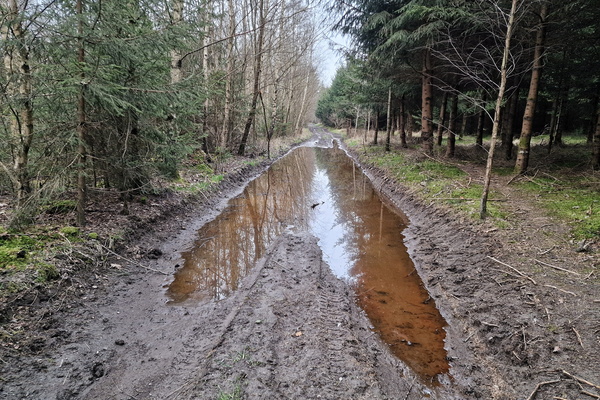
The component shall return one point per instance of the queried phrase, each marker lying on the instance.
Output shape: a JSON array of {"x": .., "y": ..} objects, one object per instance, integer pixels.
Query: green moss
[
  {"x": 16, "y": 249},
  {"x": 93, "y": 236},
  {"x": 60, "y": 207},
  {"x": 46, "y": 272},
  {"x": 70, "y": 231}
]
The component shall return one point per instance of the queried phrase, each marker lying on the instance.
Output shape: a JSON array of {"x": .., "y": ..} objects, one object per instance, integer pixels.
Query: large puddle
[{"x": 322, "y": 190}]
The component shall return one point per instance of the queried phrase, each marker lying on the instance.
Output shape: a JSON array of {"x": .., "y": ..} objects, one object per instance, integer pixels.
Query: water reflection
[
  {"x": 323, "y": 191},
  {"x": 230, "y": 245}
]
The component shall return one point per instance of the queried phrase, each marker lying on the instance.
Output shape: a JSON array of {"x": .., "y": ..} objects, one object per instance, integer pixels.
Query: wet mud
[{"x": 293, "y": 329}]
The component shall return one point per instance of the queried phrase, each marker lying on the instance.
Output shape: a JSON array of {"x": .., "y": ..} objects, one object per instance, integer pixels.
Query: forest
[
  {"x": 437, "y": 67},
  {"x": 189, "y": 209},
  {"x": 108, "y": 95}
]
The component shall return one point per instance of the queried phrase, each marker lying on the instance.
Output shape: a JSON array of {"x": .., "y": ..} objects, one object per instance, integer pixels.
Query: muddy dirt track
[{"x": 516, "y": 331}]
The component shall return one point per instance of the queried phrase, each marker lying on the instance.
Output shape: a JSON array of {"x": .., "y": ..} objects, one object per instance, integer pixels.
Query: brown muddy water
[{"x": 323, "y": 191}]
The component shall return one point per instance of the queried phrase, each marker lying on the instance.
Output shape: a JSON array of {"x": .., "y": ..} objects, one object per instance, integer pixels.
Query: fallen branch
[
  {"x": 558, "y": 268},
  {"x": 513, "y": 268},
  {"x": 578, "y": 337},
  {"x": 539, "y": 385},
  {"x": 562, "y": 290},
  {"x": 590, "y": 394},
  {"x": 132, "y": 261},
  {"x": 546, "y": 251},
  {"x": 580, "y": 380}
]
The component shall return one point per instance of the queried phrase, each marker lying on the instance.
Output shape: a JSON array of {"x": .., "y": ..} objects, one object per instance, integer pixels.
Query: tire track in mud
[{"x": 296, "y": 333}]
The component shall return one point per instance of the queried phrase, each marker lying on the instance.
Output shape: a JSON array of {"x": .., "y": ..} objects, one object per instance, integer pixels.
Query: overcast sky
[{"x": 329, "y": 56}]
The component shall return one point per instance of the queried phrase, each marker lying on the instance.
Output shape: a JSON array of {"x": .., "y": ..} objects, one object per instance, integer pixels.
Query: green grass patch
[
  {"x": 437, "y": 181},
  {"x": 571, "y": 199},
  {"x": 60, "y": 207}
]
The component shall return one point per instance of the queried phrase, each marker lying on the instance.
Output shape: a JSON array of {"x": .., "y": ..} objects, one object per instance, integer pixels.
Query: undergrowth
[
  {"x": 572, "y": 198},
  {"x": 565, "y": 189},
  {"x": 434, "y": 180},
  {"x": 23, "y": 255}
]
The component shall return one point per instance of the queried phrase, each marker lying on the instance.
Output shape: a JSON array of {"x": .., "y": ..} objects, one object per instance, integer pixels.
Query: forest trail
[{"x": 293, "y": 329}]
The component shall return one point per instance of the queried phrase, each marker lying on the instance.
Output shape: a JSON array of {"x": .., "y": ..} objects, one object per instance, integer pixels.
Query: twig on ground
[
  {"x": 132, "y": 261},
  {"x": 588, "y": 276},
  {"x": 539, "y": 385},
  {"x": 581, "y": 380},
  {"x": 469, "y": 337},
  {"x": 547, "y": 251},
  {"x": 558, "y": 268},
  {"x": 513, "y": 268},
  {"x": 590, "y": 394},
  {"x": 562, "y": 290},
  {"x": 488, "y": 324},
  {"x": 578, "y": 337}
]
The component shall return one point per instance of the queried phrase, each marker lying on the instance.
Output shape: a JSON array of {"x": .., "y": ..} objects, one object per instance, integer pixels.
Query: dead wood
[
  {"x": 558, "y": 268},
  {"x": 539, "y": 385},
  {"x": 580, "y": 380},
  {"x": 514, "y": 269}
]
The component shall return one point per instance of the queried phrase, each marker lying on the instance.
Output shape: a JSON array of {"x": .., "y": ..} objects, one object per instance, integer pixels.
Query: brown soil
[{"x": 516, "y": 327}]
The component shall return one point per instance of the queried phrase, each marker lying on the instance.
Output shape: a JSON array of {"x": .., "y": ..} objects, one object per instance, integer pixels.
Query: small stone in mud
[
  {"x": 120, "y": 342},
  {"x": 155, "y": 253},
  {"x": 98, "y": 370},
  {"x": 258, "y": 321},
  {"x": 556, "y": 349}
]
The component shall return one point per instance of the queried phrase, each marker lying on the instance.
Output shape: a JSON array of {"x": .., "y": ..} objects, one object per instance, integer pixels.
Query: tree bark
[
  {"x": 389, "y": 121},
  {"x": 376, "y": 135},
  {"x": 526, "y": 130},
  {"x": 496, "y": 126},
  {"x": 442, "y": 119},
  {"x": 451, "y": 147},
  {"x": 257, "y": 71},
  {"x": 426, "y": 103},
  {"x": 19, "y": 87},
  {"x": 81, "y": 122},
  {"x": 227, "y": 112},
  {"x": 402, "y": 123},
  {"x": 481, "y": 122},
  {"x": 596, "y": 144},
  {"x": 507, "y": 125},
  {"x": 176, "y": 18}
]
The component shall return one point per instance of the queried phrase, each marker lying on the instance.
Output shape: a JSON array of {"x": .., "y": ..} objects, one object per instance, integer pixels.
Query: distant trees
[
  {"x": 108, "y": 94},
  {"x": 455, "y": 47}
]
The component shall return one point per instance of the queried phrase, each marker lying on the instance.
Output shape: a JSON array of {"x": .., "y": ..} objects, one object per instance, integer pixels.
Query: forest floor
[{"x": 521, "y": 302}]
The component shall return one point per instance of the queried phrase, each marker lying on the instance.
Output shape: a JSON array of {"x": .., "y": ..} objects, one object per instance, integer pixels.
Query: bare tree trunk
[
  {"x": 227, "y": 112},
  {"x": 402, "y": 123},
  {"x": 257, "y": 70},
  {"x": 481, "y": 122},
  {"x": 596, "y": 144},
  {"x": 303, "y": 103},
  {"x": 19, "y": 87},
  {"x": 507, "y": 125},
  {"x": 81, "y": 123},
  {"x": 176, "y": 18},
  {"x": 389, "y": 121},
  {"x": 206, "y": 75},
  {"x": 442, "y": 119},
  {"x": 526, "y": 130},
  {"x": 593, "y": 119},
  {"x": 499, "y": 100},
  {"x": 356, "y": 123},
  {"x": 451, "y": 147},
  {"x": 427, "y": 106},
  {"x": 376, "y": 135}
]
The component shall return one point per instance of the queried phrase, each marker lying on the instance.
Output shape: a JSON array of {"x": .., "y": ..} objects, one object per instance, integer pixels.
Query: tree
[
  {"x": 18, "y": 93},
  {"x": 499, "y": 101},
  {"x": 524, "y": 148}
]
